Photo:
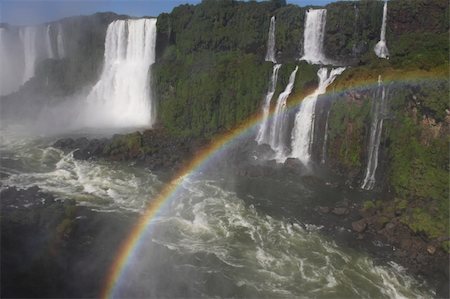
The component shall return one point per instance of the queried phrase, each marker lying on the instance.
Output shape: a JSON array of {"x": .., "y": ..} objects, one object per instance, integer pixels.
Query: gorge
[{"x": 228, "y": 149}]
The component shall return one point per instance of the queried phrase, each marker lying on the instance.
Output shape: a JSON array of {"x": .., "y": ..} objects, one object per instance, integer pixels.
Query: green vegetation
[{"x": 348, "y": 126}]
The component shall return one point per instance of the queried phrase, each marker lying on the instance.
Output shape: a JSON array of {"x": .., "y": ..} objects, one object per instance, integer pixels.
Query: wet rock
[
  {"x": 359, "y": 226},
  {"x": 390, "y": 226},
  {"x": 340, "y": 211},
  {"x": 324, "y": 210},
  {"x": 431, "y": 249}
]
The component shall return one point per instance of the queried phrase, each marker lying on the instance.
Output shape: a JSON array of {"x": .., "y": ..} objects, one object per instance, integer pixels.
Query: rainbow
[{"x": 129, "y": 247}]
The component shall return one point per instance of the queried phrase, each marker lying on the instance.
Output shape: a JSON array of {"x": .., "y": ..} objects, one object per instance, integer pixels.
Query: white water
[
  {"x": 270, "y": 55},
  {"x": 206, "y": 235},
  {"x": 303, "y": 132},
  {"x": 60, "y": 42},
  {"x": 28, "y": 36},
  {"x": 10, "y": 76},
  {"x": 325, "y": 139},
  {"x": 262, "y": 136},
  {"x": 212, "y": 234},
  {"x": 98, "y": 184},
  {"x": 379, "y": 108},
  {"x": 48, "y": 43},
  {"x": 313, "y": 36},
  {"x": 122, "y": 96},
  {"x": 279, "y": 121},
  {"x": 381, "y": 49}
]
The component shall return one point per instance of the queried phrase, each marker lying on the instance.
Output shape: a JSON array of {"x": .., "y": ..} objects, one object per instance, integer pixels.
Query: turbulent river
[{"x": 211, "y": 240}]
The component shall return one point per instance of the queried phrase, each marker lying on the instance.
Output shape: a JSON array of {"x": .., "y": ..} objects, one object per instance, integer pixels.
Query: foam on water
[
  {"x": 271, "y": 256},
  {"x": 103, "y": 185}
]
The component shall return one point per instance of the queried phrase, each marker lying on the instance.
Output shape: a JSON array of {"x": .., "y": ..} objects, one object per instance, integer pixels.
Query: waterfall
[
  {"x": 381, "y": 49},
  {"x": 270, "y": 55},
  {"x": 60, "y": 43},
  {"x": 48, "y": 43},
  {"x": 303, "y": 132},
  {"x": 279, "y": 122},
  {"x": 378, "y": 111},
  {"x": 28, "y": 38},
  {"x": 122, "y": 97},
  {"x": 263, "y": 129},
  {"x": 314, "y": 35},
  {"x": 325, "y": 140},
  {"x": 7, "y": 82}
]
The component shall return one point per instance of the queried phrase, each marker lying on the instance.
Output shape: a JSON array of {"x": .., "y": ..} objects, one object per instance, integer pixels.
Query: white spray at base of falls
[
  {"x": 314, "y": 35},
  {"x": 262, "y": 136},
  {"x": 122, "y": 96},
  {"x": 270, "y": 55},
  {"x": 381, "y": 49},
  {"x": 303, "y": 132},
  {"x": 379, "y": 109},
  {"x": 279, "y": 122}
]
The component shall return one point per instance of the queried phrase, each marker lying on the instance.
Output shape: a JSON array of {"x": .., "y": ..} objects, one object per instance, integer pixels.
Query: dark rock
[
  {"x": 390, "y": 226},
  {"x": 431, "y": 249},
  {"x": 324, "y": 210},
  {"x": 340, "y": 211},
  {"x": 359, "y": 226}
]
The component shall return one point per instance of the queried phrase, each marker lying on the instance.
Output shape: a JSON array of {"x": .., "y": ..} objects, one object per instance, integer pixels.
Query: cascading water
[
  {"x": 48, "y": 43},
  {"x": 325, "y": 140},
  {"x": 381, "y": 49},
  {"x": 60, "y": 43},
  {"x": 28, "y": 37},
  {"x": 122, "y": 98},
  {"x": 270, "y": 55},
  {"x": 279, "y": 122},
  {"x": 379, "y": 108},
  {"x": 262, "y": 136},
  {"x": 7, "y": 82},
  {"x": 314, "y": 35},
  {"x": 303, "y": 132}
]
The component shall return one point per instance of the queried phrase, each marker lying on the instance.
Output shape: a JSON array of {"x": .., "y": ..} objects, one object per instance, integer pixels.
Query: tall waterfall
[
  {"x": 270, "y": 55},
  {"x": 314, "y": 35},
  {"x": 303, "y": 132},
  {"x": 48, "y": 43},
  {"x": 279, "y": 122},
  {"x": 28, "y": 36},
  {"x": 60, "y": 42},
  {"x": 379, "y": 109},
  {"x": 262, "y": 136},
  {"x": 381, "y": 49},
  {"x": 325, "y": 139},
  {"x": 122, "y": 97}
]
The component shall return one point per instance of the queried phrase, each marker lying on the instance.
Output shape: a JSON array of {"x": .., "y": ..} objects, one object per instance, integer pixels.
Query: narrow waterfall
[
  {"x": 122, "y": 97},
  {"x": 279, "y": 122},
  {"x": 303, "y": 132},
  {"x": 28, "y": 37},
  {"x": 379, "y": 108},
  {"x": 381, "y": 49},
  {"x": 314, "y": 35},
  {"x": 325, "y": 140},
  {"x": 48, "y": 43},
  {"x": 262, "y": 136},
  {"x": 60, "y": 42},
  {"x": 270, "y": 55}
]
